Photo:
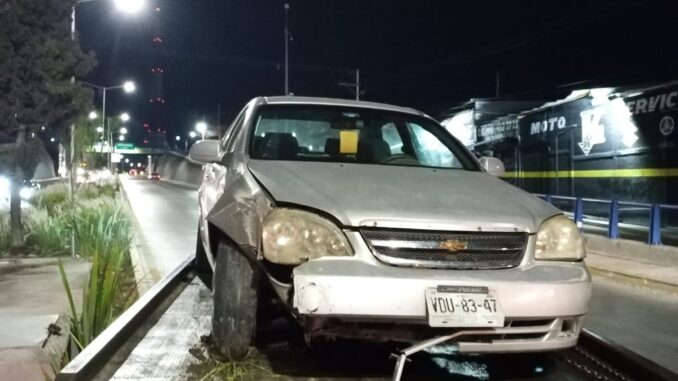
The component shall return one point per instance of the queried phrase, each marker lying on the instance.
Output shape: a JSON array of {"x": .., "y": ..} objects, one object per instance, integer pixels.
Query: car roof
[{"x": 339, "y": 102}]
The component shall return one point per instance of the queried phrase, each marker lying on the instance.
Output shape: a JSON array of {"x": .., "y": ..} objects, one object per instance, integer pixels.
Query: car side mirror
[
  {"x": 205, "y": 151},
  {"x": 493, "y": 166}
]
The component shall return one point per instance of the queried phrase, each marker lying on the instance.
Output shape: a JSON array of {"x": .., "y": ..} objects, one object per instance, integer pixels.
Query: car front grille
[{"x": 455, "y": 250}]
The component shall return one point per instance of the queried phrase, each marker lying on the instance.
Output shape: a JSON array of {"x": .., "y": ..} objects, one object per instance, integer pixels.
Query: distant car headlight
[
  {"x": 559, "y": 239},
  {"x": 291, "y": 237}
]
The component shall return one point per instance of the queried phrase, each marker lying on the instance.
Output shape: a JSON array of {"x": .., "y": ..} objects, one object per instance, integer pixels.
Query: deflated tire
[{"x": 235, "y": 302}]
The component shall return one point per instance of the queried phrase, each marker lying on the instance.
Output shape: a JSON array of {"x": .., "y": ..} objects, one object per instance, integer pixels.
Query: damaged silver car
[{"x": 372, "y": 222}]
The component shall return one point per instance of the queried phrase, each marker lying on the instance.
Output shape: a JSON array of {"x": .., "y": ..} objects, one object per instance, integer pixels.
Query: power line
[{"x": 555, "y": 27}]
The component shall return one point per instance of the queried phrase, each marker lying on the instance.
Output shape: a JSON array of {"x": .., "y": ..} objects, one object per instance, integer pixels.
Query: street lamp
[
  {"x": 177, "y": 138},
  {"x": 100, "y": 129},
  {"x": 192, "y": 134},
  {"x": 93, "y": 115},
  {"x": 123, "y": 130},
  {"x": 201, "y": 127},
  {"x": 121, "y": 138},
  {"x": 124, "y": 117},
  {"x": 287, "y": 51},
  {"x": 130, "y": 6},
  {"x": 129, "y": 87}
]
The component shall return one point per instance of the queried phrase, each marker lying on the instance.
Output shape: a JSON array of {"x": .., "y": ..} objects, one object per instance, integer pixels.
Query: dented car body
[{"x": 372, "y": 222}]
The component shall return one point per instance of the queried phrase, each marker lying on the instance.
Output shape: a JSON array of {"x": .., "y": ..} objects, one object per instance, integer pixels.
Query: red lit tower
[{"x": 155, "y": 128}]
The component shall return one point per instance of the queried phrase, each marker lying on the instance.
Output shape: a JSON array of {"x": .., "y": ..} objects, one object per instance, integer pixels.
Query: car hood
[{"x": 403, "y": 197}]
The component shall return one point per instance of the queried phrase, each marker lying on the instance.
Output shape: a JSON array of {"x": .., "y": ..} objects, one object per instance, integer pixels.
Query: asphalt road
[
  {"x": 167, "y": 217},
  {"x": 641, "y": 319}
]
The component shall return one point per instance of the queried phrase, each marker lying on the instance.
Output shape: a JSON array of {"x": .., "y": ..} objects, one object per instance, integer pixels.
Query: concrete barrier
[
  {"x": 180, "y": 169},
  {"x": 632, "y": 250}
]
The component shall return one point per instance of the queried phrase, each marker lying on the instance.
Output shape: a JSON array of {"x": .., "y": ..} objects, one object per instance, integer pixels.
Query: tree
[{"x": 38, "y": 60}]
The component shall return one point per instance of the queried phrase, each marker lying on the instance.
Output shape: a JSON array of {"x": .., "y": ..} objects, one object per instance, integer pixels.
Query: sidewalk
[
  {"x": 634, "y": 302},
  {"x": 32, "y": 298}
]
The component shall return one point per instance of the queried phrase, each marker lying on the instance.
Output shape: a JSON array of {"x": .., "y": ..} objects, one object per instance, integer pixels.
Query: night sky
[{"x": 426, "y": 54}]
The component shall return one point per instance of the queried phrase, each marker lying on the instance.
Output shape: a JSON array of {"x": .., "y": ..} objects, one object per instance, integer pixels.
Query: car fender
[{"x": 240, "y": 210}]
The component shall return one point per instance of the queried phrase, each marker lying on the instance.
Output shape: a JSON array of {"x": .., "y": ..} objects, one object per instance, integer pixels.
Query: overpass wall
[{"x": 178, "y": 168}]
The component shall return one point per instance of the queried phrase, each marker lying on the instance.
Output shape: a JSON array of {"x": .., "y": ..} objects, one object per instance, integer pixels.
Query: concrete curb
[
  {"x": 56, "y": 344},
  {"x": 634, "y": 280},
  {"x": 144, "y": 276},
  {"x": 660, "y": 255}
]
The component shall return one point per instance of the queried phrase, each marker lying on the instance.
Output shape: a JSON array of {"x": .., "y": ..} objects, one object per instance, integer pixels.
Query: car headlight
[
  {"x": 291, "y": 237},
  {"x": 559, "y": 239}
]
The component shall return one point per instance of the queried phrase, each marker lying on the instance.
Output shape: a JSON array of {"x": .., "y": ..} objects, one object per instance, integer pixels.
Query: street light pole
[
  {"x": 103, "y": 116},
  {"x": 71, "y": 175},
  {"x": 287, "y": 40}
]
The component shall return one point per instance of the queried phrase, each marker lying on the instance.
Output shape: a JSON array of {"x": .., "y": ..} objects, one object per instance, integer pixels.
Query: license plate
[{"x": 462, "y": 306}]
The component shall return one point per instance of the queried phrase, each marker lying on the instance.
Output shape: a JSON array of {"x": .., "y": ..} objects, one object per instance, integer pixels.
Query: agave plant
[{"x": 103, "y": 235}]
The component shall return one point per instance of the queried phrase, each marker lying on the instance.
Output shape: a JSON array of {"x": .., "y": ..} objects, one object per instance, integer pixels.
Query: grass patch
[
  {"x": 207, "y": 368},
  {"x": 51, "y": 197},
  {"x": 48, "y": 233},
  {"x": 101, "y": 228},
  {"x": 96, "y": 220}
]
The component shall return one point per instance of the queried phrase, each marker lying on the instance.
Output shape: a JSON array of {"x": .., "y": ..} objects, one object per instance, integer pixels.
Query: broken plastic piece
[{"x": 402, "y": 356}]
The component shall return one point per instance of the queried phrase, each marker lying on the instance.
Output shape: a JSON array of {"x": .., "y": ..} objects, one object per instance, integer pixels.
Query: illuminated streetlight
[
  {"x": 51, "y": 140},
  {"x": 100, "y": 129},
  {"x": 129, "y": 87},
  {"x": 92, "y": 115},
  {"x": 121, "y": 138},
  {"x": 139, "y": 165},
  {"x": 123, "y": 130},
  {"x": 130, "y": 6},
  {"x": 124, "y": 117},
  {"x": 192, "y": 134},
  {"x": 126, "y": 160},
  {"x": 177, "y": 138}
]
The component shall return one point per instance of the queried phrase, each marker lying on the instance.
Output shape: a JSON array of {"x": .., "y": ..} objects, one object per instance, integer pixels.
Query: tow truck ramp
[{"x": 157, "y": 333}]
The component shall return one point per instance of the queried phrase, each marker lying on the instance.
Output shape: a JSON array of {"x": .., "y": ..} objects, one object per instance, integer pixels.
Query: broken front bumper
[{"x": 544, "y": 303}]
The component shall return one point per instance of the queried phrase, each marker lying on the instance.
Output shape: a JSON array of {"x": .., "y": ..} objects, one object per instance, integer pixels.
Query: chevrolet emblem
[{"x": 453, "y": 245}]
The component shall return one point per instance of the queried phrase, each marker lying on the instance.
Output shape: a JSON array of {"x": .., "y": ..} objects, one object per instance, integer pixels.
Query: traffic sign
[{"x": 124, "y": 145}]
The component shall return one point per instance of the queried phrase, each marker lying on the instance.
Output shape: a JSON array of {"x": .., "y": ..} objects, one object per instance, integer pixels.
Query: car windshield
[{"x": 354, "y": 135}]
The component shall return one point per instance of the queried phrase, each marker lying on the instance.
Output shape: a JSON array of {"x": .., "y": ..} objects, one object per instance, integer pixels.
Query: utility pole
[
  {"x": 219, "y": 119},
  {"x": 287, "y": 54},
  {"x": 353, "y": 87},
  {"x": 357, "y": 84},
  {"x": 71, "y": 170},
  {"x": 496, "y": 78}
]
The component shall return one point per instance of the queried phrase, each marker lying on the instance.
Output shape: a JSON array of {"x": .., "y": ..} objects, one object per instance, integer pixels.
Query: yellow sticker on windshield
[{"x": 348, "y": 142}]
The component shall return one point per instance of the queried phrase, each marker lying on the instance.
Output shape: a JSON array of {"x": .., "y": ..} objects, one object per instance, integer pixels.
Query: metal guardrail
[{"x": 654, "y": 221}]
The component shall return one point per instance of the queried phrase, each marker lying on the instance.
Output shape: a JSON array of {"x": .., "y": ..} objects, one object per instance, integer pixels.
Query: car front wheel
[{"x": 235, "y": 302}]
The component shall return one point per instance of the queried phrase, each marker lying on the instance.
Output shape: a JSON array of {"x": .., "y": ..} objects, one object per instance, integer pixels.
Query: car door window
[
  {"x": 390, "y": 134},
  {"x": 430, "y": 151}
]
